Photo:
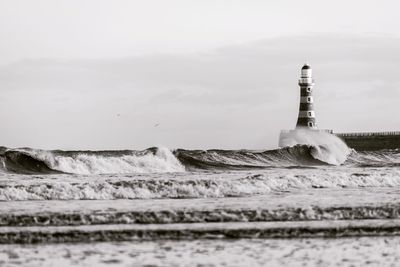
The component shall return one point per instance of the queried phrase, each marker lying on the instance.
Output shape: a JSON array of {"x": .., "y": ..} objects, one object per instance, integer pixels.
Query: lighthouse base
[{"x": 299, "y": 136}]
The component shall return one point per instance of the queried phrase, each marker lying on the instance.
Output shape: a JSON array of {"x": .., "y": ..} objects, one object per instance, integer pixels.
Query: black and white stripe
[{"x": 306, "y": 109}]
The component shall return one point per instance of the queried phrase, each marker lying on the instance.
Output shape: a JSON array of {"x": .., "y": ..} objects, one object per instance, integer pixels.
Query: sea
[{"x": 314, "y": 202}]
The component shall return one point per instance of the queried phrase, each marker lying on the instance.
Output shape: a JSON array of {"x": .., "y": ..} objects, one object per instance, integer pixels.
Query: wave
[
  {"x": 381, "y": 158},
  {"x": 34, "y": 161},
  {"x": 154, "y": 160},
  {"x": 389, "y": 211},
  {"x": 196, "y": 231},
  {"x": 161, "y": 160},
  {"x": 190, "y": 186},
  {"x": 328, "y": 147},
  {"x": 299, "y": 155}
]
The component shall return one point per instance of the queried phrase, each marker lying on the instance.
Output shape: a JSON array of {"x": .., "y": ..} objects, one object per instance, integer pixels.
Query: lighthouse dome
[{"x": 306, "y": 71}]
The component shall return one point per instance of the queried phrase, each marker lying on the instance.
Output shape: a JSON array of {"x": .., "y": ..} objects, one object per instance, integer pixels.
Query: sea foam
[{"x": 190, "y": 185}]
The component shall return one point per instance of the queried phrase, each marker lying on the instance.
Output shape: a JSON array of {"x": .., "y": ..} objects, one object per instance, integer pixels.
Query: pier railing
[
  {"x": 363, "y": 134},
  {"x": 354, "y": 134}
]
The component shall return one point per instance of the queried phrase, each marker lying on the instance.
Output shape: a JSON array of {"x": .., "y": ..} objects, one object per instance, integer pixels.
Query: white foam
[
  {"x": 328, "y": 147},
  {"x": 191, "y": 185},
  {"x": 2, "y": 165},
  {"x": 161, "y": 161}
]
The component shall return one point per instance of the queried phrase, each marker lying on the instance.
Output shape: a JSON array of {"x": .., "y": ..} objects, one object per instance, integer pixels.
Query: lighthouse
[{"x": 306, "y": 118}]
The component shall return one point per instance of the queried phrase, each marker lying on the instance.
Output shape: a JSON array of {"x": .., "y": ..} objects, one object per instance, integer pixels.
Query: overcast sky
[{"x": 92, "y": 74}]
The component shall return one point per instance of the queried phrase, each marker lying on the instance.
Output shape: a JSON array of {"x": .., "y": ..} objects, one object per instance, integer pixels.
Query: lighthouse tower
[{"x": 306, "y": 117}]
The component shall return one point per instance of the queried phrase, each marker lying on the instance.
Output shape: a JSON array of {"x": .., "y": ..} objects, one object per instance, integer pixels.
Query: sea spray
[{"x": 326, "y": 147}]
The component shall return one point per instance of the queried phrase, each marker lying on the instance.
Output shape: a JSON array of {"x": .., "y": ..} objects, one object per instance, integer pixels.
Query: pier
[
  {"x": 364, "y": 134},
  {"x": 367, "y": 141}
]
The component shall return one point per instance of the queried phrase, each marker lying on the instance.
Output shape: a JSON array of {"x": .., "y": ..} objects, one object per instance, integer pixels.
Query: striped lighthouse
[{"x": 306, "y": 117}]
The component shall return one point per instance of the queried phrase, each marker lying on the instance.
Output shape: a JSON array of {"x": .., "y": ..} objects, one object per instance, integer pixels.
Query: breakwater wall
[{"x": 368, "y": 141}]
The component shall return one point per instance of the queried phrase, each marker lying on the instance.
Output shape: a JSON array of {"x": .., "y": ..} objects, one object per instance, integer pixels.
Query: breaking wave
[
  {"x": 391, "y": 211},
  {"x": 161, "y": 160},
  {"x": 211, "y": 185},
  {"x": 30, "y": 161},
  {"x": 154, "y": 160},
  {"x": 328, "y": 147}
]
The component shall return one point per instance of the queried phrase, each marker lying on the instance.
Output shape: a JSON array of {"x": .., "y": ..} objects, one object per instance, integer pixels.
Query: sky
[{"x": 102, "y": 74}]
